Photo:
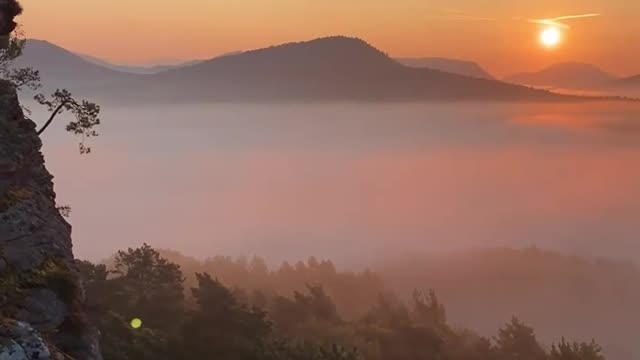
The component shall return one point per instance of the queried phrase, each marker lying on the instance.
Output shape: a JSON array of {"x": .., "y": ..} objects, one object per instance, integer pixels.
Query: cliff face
[{"x": 41, "y": 295}]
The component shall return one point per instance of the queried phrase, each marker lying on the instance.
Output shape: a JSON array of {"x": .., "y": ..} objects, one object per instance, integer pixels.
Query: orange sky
[{"x": 142, "y": 31}]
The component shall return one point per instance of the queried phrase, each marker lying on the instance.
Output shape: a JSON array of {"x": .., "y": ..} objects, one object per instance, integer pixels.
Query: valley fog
[{"x": 353, "y": 182}]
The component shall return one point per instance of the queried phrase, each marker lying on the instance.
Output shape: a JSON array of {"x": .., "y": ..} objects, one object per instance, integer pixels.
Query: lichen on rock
[
  {"x": 40, "y": 288},
  {"x": 21, "y": 341}
]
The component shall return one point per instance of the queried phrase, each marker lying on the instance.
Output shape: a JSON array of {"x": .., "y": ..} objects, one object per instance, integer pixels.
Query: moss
[
  {"x": 51, "y": 274},
  {"x": 58, "y": 277},
  {"x": 14, "y": 196},
  {"x": 11, "y": 293},
  {"x": 20, "y": 194}
]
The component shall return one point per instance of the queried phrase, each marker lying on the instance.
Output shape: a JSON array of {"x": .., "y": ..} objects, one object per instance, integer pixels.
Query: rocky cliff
[{"x": 41, "y": 296}]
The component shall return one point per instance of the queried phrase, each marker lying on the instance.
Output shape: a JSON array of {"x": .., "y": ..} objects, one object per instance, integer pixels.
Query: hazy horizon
[
  {"x": 175, "y": 61},
  {"x": 496, "y": 35},
  {"x": 354, "y": 180}
]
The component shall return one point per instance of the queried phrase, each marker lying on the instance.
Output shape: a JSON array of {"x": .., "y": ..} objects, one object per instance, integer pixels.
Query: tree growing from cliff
[
  {"x": 86, "y": 113},
  {"x": 20, "y": 78}
]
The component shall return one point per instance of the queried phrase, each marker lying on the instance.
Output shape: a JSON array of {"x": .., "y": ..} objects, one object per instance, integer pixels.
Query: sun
[{"x": 550, "y": 37}]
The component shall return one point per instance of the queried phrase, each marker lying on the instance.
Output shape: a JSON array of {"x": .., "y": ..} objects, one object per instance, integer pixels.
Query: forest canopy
[{"x": 196, "y": 315}]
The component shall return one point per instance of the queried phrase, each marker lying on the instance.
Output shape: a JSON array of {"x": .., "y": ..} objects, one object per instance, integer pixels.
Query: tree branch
[{"x": 52, "y": 117}]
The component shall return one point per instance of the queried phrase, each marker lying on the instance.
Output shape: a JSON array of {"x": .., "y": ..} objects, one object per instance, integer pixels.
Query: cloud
[{"x": 557, "y": 21}]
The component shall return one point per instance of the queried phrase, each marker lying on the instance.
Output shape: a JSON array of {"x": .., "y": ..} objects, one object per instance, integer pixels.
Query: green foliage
[
  {"x": 86, "y": 115},
  {"x": 468, "y": 346},
  {"x": 148, "y": 287},
  {"x": 100, "y": 292},
  {"x": 224, "y": 323},
  {"x": 64, "y": 210},
  {"x": 14, "y": 196},
  {"x": 287, "y": 350},
  {"x": 92, "y": 273},
  {"x": 353, "y": 293},
  {"x": 387, "y": 313},
  {"x": 20, "y": 78},
  {"x": 220, "y": 327},
  {"x": 120, "y": 342},
  {"x": 517, "y": 341},
  {"x": 112, "y": 298},
  {"x": 51, "y": 274},
  {"x": 310, "y": 316},
  {"x": 389, "y": 325},
  {"x": 576, "y": 351},
  {"x": 428, "y": 311}
]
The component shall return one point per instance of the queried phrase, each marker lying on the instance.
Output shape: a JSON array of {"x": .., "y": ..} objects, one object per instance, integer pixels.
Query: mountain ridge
[
  {"x": 568, "y": 75},
  {"x": 454, "y": 66},
  {"x": 137, "y": 69},
  {"x": 630, "y": 81},
  {"x": 336, "y": 68},
  {"x": 65, "y": 68}
]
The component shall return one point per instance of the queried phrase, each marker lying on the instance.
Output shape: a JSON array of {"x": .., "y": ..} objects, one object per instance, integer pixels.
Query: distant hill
[
  {"x": 454, "y": 66},
  {"x": 628, "y": 82},
  {"x": 60, "y": 68},
  {"x": 565, "y": 75},
  {"x": 327, "y": 69},
  {"x": 629, "y": 87},
  {"x": 143, "y": 70}
]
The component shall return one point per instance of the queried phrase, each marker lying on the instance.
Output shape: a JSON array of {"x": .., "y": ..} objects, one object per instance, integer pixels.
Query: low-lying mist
[{"x": 354, "y": 182}]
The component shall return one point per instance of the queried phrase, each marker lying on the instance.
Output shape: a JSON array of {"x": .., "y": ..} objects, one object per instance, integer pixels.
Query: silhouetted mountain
[
  {"x": 628, "y": 86},
  {"x": 61, "y": 68},
  {"x": 565, "y": 75},
  {"x": 632, "y": 82},
  {"x": 454, "y": 66},
  {"x": 144, "y": 70},
  {"x": 160, "y": 68},
  {"x": 327, "y": 69}
]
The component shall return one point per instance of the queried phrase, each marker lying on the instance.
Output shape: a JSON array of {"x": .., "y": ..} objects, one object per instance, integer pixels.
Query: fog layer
[{"x": 354, "y": 182}]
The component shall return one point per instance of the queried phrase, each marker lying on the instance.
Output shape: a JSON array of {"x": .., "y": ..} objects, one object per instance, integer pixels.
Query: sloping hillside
[
  {"x": 327, "y": 69},
  {"x": 565, "y": 75},
  {"x": 454, "y": 66},
  {"x": 65, "y": 69}
]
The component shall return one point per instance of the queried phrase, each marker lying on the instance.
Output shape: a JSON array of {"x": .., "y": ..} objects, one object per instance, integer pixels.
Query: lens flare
[{"x": 136, "y": 323}]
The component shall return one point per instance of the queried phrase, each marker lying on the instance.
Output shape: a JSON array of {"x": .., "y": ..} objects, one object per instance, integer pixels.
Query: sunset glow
[
  {"x": 550, "y": 37},
  {"x": 152, "y": 31},
  {"x": 330, "y": 180}
]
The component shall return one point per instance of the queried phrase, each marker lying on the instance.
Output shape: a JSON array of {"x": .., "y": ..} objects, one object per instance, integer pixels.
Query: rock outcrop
[
  {"x": 41, "y": 296},
  {"x": 9, "y": 9}
]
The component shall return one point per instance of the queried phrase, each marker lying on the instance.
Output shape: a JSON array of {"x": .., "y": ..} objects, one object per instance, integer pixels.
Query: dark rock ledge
[{"x": 41, "y": 296}]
